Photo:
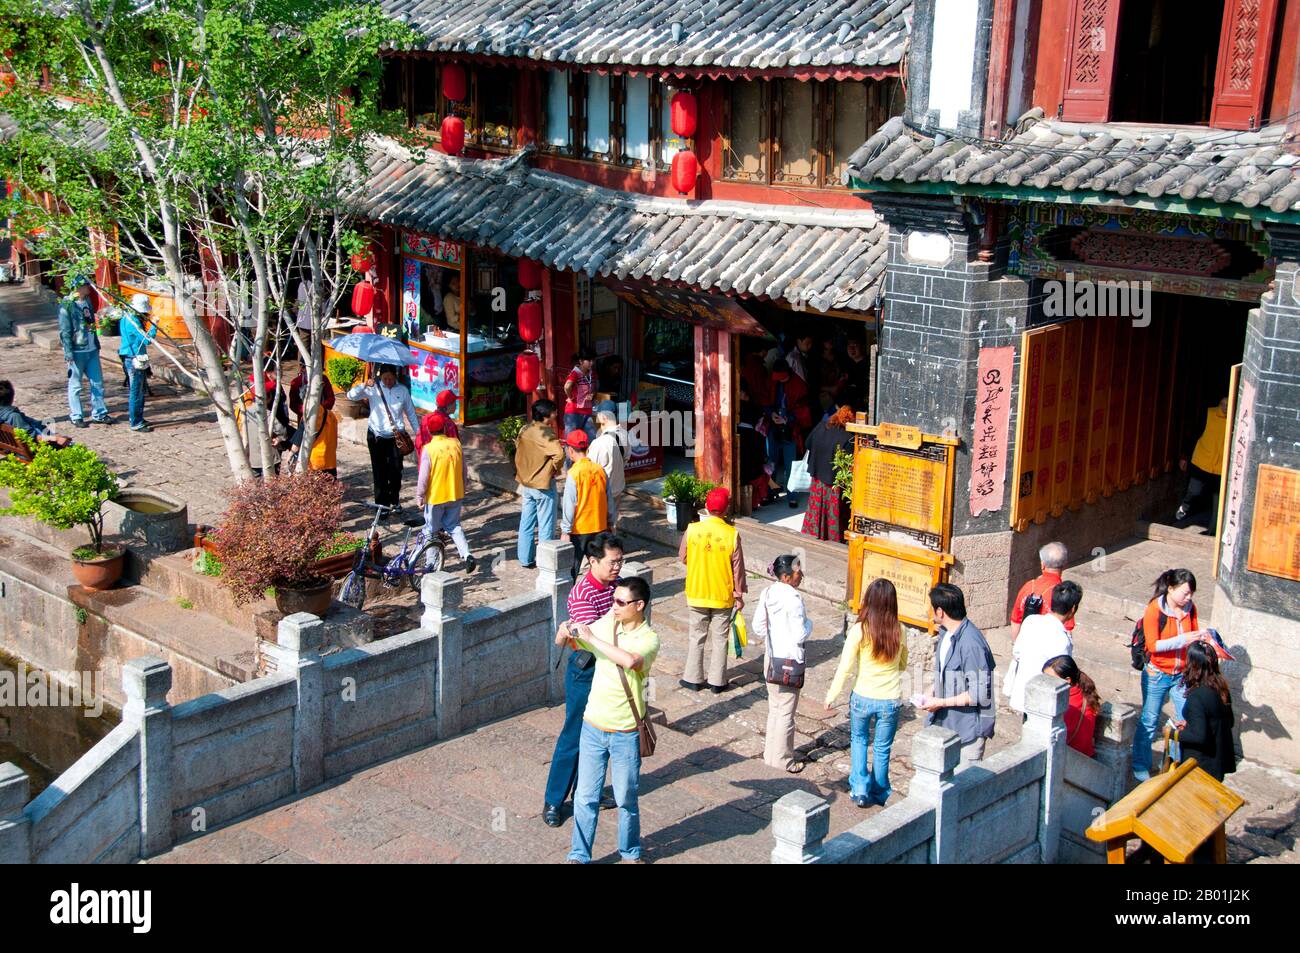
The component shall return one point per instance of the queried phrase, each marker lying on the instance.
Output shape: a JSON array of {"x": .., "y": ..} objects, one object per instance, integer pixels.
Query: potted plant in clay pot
[
  {"x": 683, "y": 497},
  {"x": 271, "y": 536},
  {"x": 65, "y": 487},
  {"x": 343, "y": 372}
]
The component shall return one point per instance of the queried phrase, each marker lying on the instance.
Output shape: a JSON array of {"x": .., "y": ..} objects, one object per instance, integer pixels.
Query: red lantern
[
  {"x": 530, "y": 321},
  {"x": 530, "y": 275},
  {"x": 453, "y": 82},
  {"x": 527, "y": 372},
  {"x": 363, "y": 261},
  {"x": 453, "y": 135},
  {"x": 684, "y": 114},
  {"x": 362, "y": 329},
  {"x": 685, "y": 168},
  {"x": 363, "y": 299}
]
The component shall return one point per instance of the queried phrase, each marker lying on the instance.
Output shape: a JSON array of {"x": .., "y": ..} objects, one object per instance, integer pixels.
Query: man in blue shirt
[
  {"x": 134, "y": 351},
  {"x": 81, "y": 352}
]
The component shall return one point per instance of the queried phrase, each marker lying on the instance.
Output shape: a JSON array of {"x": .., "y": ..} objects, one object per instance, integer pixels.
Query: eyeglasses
[{"x": 624, "y": 602}]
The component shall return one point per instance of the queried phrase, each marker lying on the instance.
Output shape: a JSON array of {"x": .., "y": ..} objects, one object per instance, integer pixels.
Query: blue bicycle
[{"x": 419, "y": 556}]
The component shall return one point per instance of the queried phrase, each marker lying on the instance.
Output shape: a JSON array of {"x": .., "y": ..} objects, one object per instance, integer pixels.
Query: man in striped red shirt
[{"x": 590, "y": 599}]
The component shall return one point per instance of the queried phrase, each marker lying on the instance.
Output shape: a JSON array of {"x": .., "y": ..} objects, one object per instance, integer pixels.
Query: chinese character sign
[
  {"x": 1241, "y": 435},
  {"x": 410, "y": 292},
  {"x": 988, "y": 466},
  {"x": 432, "y": 373}
]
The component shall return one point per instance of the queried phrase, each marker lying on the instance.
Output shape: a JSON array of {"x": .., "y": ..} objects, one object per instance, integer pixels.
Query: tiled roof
[
  {"x": 1249, "y": 169},
  {"x": 754, "y": 34},
  {"x": 821, "y": 258}
]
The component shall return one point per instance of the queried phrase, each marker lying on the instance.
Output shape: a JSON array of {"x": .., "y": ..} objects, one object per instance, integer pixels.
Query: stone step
[{"x": 1193, "y": 537}]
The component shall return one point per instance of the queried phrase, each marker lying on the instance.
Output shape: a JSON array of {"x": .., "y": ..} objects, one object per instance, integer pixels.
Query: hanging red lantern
[
  {"x": 362, "y": 329},
  {"x": 684, "y": 114},
  {"x": 363, "y": 299},
  {"x": 530, "y": 275},
  {"x": 453, "y": 135},
  {"x": 453, "y": 82},
  {"x": 685, "y": 168},
  {"x": 527, "y": 372},
  {"x": 530, "y": 321},
  {"x": 364, "y": 260}
]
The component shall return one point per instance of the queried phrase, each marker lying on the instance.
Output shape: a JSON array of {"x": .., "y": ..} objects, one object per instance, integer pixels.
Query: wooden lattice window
[
  {"x": 1090, "y": 60},
  {"x": 1241, "y": 76}
]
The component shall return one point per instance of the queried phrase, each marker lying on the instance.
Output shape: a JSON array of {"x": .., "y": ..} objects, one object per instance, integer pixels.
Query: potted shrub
[
  {"x": 271, "y": 537},
  {"x": 508, "y": 431},
  {"x": 343, "y": 372},
  {"x": 683, "y": 497},
  {"x": 65, "y": 487},
  {"x": 334, "y": 559}
]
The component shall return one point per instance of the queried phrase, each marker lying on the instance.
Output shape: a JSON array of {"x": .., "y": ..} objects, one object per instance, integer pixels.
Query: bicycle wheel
[
  {"x": 436, "y": 555},
  {"x": 354, "y": 590}
]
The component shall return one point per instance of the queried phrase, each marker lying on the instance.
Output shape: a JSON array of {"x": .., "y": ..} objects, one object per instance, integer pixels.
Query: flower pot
[
  {"x": 670, "y": 510},
  {"x": 314, "y": 599},
  {"x": 94, "y": 575},
  {"x": 351, "y": 409},
  {"x": 148, "y": 521},
  {"x": 686, "y": 515}
]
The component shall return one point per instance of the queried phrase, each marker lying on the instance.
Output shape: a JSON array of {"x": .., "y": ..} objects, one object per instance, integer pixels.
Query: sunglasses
[{"x": 624, "y": 602}]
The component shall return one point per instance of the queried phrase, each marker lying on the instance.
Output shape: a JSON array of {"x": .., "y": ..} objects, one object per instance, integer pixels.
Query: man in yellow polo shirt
[
  {"x": 1206, "y": 468},
  {"x": 715, "y": 590},
  {"x": 625, "y": 648},
  {"x": 441, "y": 487},
  {"x": 585, "y": 513}
]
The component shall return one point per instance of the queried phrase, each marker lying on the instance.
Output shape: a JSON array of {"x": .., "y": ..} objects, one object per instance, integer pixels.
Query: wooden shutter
[
  {"x": 1090, "y": 60},
  {"x": 1241, "y": 77}
]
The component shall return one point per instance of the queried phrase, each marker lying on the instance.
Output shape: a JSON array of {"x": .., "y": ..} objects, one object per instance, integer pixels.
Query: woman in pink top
[{"x": 579, "y": 389}]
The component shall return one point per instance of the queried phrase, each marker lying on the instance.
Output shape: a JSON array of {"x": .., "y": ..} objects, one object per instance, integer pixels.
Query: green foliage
[
  {"x": 62, "y": 487},
  {"x": 341, "y": 543},
  {"x": 185, "y": 603},
  {"x": 843, "y": 466},
  {"x": 82, "y": 616},
  {"x": 508, "y": 432},
  {"x": 207, "y": 564},
  {"x": 343, "y": 371},
  {"x": 686, "y": 489}
]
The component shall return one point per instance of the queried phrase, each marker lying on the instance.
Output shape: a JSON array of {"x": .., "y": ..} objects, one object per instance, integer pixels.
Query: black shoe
[
  {"x": 528, "y": 565},
  {"x": 693, "y": 686},
  {"x": 861, "y": 800},
  {"x": 718, "y": 689},
  {"x": 794, "y": 504},
  {"x": 80, "y": 424},
  {"x": 551, "y": 816},
  {"x": 471, "y": 564},
  {"x": 607, "y": 802},
  {"x": 103, "y": 420}
]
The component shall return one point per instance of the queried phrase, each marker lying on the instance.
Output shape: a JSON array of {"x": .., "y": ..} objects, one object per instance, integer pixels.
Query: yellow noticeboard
[
  {"x": 1275, "y": 530},
  {"x": 914, "y": 572},
  {"x": 902, "y": 491}
]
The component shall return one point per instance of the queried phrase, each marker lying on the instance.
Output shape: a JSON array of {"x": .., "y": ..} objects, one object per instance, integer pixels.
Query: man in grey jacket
[
  {"x": 81, "y": 352},
  {"x": 962, "y": 698}
]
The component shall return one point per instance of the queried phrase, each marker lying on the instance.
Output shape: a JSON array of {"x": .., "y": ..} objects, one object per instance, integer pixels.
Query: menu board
[{"x": 1275, "y": 531}]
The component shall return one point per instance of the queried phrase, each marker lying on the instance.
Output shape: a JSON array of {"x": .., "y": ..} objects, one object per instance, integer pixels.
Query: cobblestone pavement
[{"x": 706, "y": 795}]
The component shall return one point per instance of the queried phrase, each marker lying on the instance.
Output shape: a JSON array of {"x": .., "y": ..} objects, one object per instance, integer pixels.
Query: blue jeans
[
  {"x": 135, "y": 402},
  {"x": 862, "y": 712},
  {"x": 564, "y": 761},
  {"x": 583, "y": 422},
  {"x": 1155, "y": 689},
  {"x": 87, "y": 362},
  {"x": 619, "y": 751},
  {"x": 782, "y": 454},
  {"x": 536, "y": 516}
]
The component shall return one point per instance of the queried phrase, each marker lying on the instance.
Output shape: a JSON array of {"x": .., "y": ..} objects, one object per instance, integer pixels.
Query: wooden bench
[{"x": 10, "y": 444}]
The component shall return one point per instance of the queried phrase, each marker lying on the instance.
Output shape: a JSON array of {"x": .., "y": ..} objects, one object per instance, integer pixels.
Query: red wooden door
[
  {"x": 1241, "y": 76},
  {"x": 1090, "y": 60}
]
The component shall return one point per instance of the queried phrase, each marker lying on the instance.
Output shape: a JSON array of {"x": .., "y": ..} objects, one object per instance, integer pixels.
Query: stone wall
[
  {"x": 1027, "y": 804},
  {"x": 169, "y": 773}
]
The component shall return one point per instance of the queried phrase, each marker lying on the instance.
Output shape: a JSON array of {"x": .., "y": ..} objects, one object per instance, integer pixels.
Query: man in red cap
[
  {"x": 441, "y": 487},
  {"x": 715, "y": 590},
  {"x": 447, "y": 407},
  {"x": 585, "y": 512}
]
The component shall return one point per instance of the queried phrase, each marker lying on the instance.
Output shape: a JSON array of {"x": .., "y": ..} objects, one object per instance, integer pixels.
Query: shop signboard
[
  {"x": 432, "y": 372},
  {"x": 491, "y": 386},
  {"x": 433, "y": 249}
]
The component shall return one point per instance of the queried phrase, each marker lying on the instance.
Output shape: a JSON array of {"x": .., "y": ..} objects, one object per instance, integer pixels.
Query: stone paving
[{"x": 706, "y": 795}]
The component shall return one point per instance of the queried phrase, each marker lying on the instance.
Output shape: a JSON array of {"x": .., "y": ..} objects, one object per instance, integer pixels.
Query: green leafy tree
[
  {"x": 219, "y": 141},
  {"x": 62, "y": 487}
]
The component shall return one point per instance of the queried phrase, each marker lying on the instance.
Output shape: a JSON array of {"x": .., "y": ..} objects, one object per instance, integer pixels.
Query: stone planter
[
  {"x": 351, "y": 409},
  {"x": 149, "y": 521},
  {"x": 95, "y": 575},
  {"x": 313, "y": 599}
]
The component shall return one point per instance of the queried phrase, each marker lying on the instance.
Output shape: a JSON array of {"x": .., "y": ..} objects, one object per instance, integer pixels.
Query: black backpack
[{"x": 1137, "y": 643}]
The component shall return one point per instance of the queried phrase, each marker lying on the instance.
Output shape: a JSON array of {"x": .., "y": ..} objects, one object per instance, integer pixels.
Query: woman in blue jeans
[
  {"x": 1169, "y": 626},
  {"x": 876, "y": 646}
]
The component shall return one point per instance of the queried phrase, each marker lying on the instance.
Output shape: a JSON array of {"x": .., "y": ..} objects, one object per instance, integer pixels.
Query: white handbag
[{"x": 800, "y": 480}]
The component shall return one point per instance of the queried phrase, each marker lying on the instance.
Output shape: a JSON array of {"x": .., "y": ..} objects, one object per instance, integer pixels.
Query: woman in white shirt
[
  {"x": 781, "y": 621},
  {"x": 390, "y": 405}
]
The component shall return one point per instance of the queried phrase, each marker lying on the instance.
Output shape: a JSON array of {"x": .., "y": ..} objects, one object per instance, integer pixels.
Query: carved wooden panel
[
  {"x": 1090, "y": 60},
  {"x": 1241, "y": 76}
]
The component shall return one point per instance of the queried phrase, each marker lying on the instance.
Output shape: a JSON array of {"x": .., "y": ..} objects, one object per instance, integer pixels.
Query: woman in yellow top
[
  {"x": 875, "y": 644},
  {"x": 1206, "y": 468}
]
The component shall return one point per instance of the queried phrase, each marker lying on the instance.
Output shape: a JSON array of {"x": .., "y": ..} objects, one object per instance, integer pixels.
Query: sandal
[{"x": 796, "y": 768}]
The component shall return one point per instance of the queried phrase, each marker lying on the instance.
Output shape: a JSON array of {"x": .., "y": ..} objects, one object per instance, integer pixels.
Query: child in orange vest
[{"x": 586, "y": 497}]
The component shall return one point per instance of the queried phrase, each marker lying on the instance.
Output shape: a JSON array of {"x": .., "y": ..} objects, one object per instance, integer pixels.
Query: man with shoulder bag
[
  {"x": 615, "y": 732},
  {"x": 134, "y": 352}
]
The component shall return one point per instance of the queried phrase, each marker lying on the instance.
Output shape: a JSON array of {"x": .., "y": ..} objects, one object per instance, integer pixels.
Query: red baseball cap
[
  {"x": 447, "y": 397},
  {"x": 717, "y": 500},
  {"x": 436, "y": 423},
  {"x": 577, "y": 439}
]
